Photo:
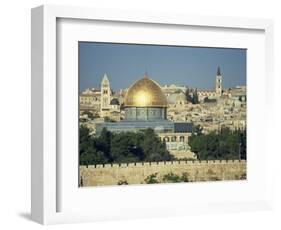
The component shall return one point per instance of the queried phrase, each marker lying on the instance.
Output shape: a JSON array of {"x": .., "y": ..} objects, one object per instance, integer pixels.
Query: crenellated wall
[{"x": 135, "y": 173}]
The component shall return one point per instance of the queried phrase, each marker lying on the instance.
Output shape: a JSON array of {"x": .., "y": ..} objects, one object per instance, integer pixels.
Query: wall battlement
[
  {"x": 179, "y": 162},
  {"x": 136, "y": 173}
]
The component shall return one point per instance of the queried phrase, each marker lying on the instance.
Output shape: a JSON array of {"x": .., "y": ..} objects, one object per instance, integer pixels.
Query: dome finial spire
[{"x": 145, "y": 74}]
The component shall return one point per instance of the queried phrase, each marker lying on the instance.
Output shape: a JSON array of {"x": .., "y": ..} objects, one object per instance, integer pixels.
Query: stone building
[
  {"x": 177, "y": 99},
  {"x": 89, "y": 101},
  {"x": 90, "y": 96},
  {"x": 212, "y": 94},
  {"x": 114, "y": 113},
  {"x": 173, "y": 89}
]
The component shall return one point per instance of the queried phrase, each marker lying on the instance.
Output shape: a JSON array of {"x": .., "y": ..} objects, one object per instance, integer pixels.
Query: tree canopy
[
  {"x": 222, "y": 145},
  {"x": 193, "y": 98},
  {"x": 121, "y": 147},
  {"x": 146, "y": 146}
]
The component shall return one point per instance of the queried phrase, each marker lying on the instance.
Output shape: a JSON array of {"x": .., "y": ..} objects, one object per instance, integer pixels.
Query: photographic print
[{"x": 152, "y": 114}]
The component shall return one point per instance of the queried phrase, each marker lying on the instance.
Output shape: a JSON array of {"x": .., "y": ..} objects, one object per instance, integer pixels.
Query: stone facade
[
  {"x": 177, "y": 144},
  {"x": 135, "y": 173}
]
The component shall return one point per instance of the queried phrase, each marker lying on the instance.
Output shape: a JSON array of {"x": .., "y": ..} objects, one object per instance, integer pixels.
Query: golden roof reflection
[{"x": 145, "y": 93}]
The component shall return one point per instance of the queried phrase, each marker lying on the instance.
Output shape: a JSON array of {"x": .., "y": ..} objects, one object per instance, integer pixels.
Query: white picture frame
[{"x": 46, "y": 165}]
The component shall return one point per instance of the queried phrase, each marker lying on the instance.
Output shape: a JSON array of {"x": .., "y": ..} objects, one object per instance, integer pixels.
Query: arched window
[
  {"x": 166, "y": 139},
  {"x": 181, "y": 138},
  {"x": 174, "y": 138}
]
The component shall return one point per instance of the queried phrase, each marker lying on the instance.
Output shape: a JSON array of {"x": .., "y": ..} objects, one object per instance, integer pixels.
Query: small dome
[
  {"x": 145, "y": 93},
  {"x": 181, "y": 97},
  {"x": 114, "y": 101},
  {"x": 176, "y": 97}
]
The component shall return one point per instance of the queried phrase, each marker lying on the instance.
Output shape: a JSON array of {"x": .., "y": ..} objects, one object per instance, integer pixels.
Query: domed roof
[
  {"x": 176, "y": 97},
  {"x": 114, "y": 101},
  {"x": 145, "y": 93}
]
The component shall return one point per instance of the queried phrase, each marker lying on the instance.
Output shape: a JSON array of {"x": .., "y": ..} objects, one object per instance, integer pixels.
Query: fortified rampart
[{"x": 135, "y": 173}]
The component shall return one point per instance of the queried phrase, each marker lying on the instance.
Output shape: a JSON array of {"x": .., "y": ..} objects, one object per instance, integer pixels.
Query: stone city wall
[{"x": 135, "y": 173}]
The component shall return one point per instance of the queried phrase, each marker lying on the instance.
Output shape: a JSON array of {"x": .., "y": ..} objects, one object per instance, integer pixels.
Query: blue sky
[{"x": 192, "y": 66}]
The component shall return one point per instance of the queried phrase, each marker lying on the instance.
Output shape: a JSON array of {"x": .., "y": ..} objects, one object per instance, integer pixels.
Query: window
[{"x": 166, "y": 139}]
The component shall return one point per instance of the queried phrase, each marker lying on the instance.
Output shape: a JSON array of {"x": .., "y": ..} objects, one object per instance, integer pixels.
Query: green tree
[
  {"x": 154, "y": 149},
  {"x": 91, "y": 156},
  {"x": 167, "y": 178},
  {"x": 121, "y": 147},
  {"x": 88, "y": 152},
  {"x": 188, "y": 96},
  {"x": 85, "y": 140},
  {"x": 103, "y": 143},
  {"x": 226, "y": 144},
  {"x": 195, "y": 98},
  {"x": 108, "y": 119}
]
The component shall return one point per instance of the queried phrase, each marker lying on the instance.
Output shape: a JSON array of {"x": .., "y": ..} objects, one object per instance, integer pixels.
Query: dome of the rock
[{"x": 145, "y": 93}]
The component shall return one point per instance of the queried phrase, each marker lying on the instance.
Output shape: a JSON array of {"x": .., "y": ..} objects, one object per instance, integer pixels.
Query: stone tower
[
  {"x": 218, "y": 83},
  {"x": 105, "y": 96}
]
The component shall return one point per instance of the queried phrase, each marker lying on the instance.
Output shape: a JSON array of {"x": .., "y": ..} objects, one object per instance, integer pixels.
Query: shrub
[
  {"x": 122, "y": 182},
  {"x": 151, "y": 179}
]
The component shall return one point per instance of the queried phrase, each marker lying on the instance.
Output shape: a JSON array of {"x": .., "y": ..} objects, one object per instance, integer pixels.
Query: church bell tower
[
  {"x": 218, "y": 83},
  {"x": 105, "y": 96}
]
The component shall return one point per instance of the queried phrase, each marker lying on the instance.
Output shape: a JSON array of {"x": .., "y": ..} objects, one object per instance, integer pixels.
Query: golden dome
[{"x": 145, "y": 93}]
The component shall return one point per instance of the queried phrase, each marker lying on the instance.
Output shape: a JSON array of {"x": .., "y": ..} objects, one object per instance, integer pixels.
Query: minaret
[
  {"x": 218, "y": 83},
  {"x": 105, "y": 96}
]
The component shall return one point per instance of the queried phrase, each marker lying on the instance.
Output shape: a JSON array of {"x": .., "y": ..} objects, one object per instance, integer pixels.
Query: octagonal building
[
  {"x": 145, "y": 107},
  {"x": 145, "y": 101}
]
